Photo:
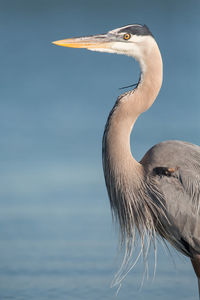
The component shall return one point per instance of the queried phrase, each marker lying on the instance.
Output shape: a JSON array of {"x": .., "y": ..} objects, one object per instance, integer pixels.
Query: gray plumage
[
  {"x": 160, "y": 195},
  {"x": 180, "y": 188},
  {"x": 166, "y": 202}
]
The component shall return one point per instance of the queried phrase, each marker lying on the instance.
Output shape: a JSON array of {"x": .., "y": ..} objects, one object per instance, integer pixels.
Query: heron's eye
[{"x": 126, "y": 36}]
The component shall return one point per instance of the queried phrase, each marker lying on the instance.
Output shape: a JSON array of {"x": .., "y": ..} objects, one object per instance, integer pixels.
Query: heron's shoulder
[
  {"x": 173, "y": 145},
  {"x": 172, "y": 154}
]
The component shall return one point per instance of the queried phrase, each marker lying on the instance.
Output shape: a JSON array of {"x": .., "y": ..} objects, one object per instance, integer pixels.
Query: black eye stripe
[{"x": 136, "y": 30}]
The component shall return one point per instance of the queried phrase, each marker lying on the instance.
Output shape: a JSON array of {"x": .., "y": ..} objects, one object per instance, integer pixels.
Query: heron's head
[{"x": 133, "y": 40}]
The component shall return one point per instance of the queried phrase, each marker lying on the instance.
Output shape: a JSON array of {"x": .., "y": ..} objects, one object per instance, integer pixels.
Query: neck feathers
[
  {"x": 116, "y": 141},
  {"x": 125, "y": 178}
]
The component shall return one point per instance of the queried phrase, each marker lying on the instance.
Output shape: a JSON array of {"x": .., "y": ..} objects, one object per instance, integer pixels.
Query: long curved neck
[
  {"x": 116, "y": 142},
  {"x": 132, "y": 200}
]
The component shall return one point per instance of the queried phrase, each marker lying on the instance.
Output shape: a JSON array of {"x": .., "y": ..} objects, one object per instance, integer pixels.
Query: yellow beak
[{"x": 89, "y": 42}]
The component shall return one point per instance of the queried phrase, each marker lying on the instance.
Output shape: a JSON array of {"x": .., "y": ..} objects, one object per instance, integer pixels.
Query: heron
[{"x": 158, "y": 196}]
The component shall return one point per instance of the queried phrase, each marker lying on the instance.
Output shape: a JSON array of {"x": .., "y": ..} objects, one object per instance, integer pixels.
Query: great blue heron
[{"x": 161, "y": 193}]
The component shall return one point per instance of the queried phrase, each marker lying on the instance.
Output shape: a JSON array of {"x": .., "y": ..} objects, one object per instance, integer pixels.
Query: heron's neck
[{"x": 116, "y": 142}]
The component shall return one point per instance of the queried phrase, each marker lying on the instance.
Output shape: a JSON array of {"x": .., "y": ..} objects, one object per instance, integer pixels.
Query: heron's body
[
  {"x": 180, "y": 189},
  {"x": 161, "y": 193}
]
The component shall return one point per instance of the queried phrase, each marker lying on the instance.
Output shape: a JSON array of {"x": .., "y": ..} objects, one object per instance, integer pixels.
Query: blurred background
[{"x": 57, "y": 240}]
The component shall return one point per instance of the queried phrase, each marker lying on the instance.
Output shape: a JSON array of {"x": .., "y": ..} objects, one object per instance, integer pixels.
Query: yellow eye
[{"x": 126, "y": 36}]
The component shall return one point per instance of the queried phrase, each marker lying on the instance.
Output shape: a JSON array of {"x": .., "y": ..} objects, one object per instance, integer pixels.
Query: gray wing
[{"x": 175, "y": 166}]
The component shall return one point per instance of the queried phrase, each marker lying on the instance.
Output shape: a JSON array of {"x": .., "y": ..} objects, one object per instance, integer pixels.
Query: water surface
[{"x": 57, "y": 240}]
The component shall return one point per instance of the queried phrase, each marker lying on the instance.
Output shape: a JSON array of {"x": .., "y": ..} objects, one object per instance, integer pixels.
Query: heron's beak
[{"x": 97, "y": 42}]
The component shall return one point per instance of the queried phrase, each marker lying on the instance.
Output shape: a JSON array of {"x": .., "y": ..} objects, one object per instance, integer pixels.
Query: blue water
[{"x": 57, "y": 240}]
